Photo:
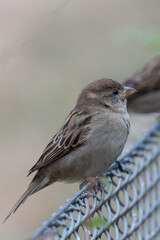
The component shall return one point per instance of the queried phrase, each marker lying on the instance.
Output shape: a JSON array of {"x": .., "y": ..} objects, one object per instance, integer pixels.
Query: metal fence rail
[{"x": 127, "y": 206}]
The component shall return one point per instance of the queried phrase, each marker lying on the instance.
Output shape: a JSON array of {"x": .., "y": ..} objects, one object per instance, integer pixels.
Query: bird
[
  {"x": 89, "y": 141},
  {"x": 147, "y": 84}
]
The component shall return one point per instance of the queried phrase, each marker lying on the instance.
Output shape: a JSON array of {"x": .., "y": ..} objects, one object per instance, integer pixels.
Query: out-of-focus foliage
[
  {"x": 96, "y": 222},
  {"x": 150, "y": 39}
]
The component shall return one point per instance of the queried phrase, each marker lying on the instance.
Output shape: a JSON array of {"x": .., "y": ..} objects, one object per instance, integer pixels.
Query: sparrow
[
  {"x": 89, "y": 141},
  {"x": 147, "y": 84}
]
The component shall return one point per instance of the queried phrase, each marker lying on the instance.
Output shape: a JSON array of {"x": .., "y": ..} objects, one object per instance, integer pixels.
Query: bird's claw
[
  {"x": 122, "y": 167},
  {"x": 93, "y": 186}
]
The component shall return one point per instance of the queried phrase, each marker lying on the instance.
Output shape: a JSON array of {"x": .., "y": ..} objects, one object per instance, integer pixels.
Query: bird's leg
[
  {"x": 122, "y": 166},
  {"x": 119, "y": 165},
  {"x": 93, "y": 184}
]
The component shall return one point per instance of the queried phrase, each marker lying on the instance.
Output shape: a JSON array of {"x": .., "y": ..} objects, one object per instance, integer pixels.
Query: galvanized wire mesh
[{"x": 127, "y": 205}]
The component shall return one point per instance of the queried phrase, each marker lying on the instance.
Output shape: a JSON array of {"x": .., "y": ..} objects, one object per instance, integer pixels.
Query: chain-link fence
[{"x": 127, "y": 205}]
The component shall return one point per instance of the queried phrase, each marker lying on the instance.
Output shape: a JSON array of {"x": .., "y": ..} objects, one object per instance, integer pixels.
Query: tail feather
[{"x": 31, "y": 189}]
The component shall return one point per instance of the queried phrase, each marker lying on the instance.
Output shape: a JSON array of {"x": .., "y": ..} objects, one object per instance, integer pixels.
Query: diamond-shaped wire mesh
[{"x": 127, "y": 206}]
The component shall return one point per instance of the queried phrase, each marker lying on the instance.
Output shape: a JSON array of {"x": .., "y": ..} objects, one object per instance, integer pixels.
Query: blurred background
[{"x": 49, "y": 50}]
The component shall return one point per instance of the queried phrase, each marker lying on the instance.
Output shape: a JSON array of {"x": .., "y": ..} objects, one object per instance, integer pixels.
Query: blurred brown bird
[
  {"x": 147, "y": 84},
  {"x": 89, "y": 141}
]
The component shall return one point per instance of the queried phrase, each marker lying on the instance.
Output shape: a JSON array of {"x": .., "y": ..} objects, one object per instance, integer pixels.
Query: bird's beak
[{"x": 128, "y": 91}]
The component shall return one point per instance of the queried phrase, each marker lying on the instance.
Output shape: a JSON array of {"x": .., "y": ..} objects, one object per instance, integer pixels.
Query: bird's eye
[{"x": 115, "y": 91}]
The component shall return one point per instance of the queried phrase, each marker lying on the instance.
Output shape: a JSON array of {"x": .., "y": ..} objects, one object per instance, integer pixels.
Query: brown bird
[
  {"x": 89, "y": 141},
  {"x": 147, "y": 84}
]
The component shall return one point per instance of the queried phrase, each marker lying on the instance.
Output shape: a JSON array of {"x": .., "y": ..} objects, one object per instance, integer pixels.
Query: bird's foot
[
  {"x": 122, "y": 166},
  {"x": 93, "y": 186},
  {"x": 119, "y": 165}
]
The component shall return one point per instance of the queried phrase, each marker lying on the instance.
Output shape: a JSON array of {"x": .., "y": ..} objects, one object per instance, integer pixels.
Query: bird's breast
[{"x": 107, "y": 142}]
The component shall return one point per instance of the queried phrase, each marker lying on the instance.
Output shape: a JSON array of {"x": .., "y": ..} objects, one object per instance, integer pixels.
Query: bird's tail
[{"x": 33, "y": 187}]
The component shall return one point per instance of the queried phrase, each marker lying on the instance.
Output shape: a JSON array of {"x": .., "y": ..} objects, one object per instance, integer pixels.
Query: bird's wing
[{"x": 71, "y": 136}]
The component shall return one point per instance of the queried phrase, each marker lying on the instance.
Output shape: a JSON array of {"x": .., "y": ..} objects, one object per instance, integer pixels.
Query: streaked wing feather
[{"x": 72, "y": 135}]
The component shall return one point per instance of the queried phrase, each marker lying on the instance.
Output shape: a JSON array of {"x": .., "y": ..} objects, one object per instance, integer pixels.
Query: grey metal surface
[{"x": 127, "y": 207}]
